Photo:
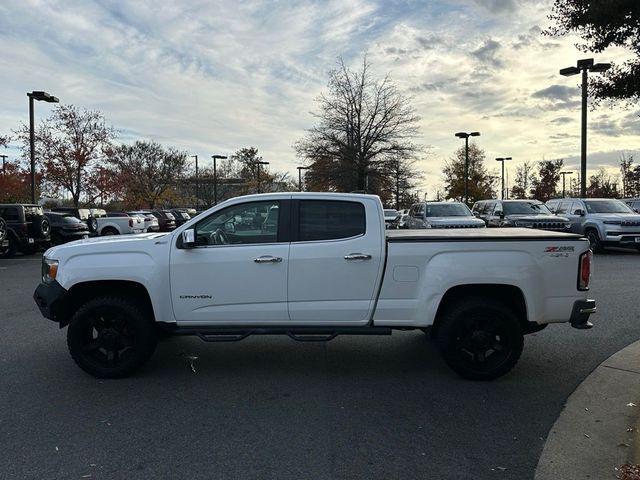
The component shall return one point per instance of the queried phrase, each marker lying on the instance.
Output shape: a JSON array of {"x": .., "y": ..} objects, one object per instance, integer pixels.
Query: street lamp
[
  {"x": 300, "y": 176},
  {"x": 41, "y": 97},
  {"x": 563, "y": 175},
  {"x": 258, "y": 175},
  {"x": 586, "y": 65},
  {"x": 197, "y": 182},
  {"x": 502, "y": 160},
  {"x": 466, "y": 160},
  {"x": 215, "y": 176}
]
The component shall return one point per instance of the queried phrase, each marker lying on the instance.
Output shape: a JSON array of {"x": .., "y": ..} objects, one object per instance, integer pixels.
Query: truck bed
[{"x": 477, "y": 234}]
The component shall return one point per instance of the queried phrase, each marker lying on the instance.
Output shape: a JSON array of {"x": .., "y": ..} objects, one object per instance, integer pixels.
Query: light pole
[
  {"x": 197, "y": 182},
  {"x": 4, "y": 158},
  {"x": 41, "y": 97},
  {"x": 502, "y": 160},
  {"x": 300, "y": 176},
  {"x": 586, "y": 65},
  {"x": 215, "y": 176},
  {"x": 466, "y": 160},
  {"x": 564, "y": 174},
  {"x": 258, "y": 174}
]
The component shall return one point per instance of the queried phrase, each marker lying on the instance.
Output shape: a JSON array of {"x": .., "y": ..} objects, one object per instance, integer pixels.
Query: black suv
[
  {"x": 66, "y": 228},
  {"x": 28, "y": 230}
]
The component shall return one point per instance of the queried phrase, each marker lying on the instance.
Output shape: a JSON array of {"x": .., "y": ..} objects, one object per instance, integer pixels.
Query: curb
[{"x": 590, "y": 438}]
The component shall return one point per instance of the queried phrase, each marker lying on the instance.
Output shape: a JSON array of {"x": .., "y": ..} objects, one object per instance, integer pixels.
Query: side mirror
[
  {"x": 189, "y": 238},
  {"x": 476, "y": 214},
  {"x": 579, "y": 211},
  {"x": 499, "y": 213}
]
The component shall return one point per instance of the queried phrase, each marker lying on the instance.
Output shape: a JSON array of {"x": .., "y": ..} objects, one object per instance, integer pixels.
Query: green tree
[
  {"x": 544, "y": 186},
  {"x": 525, "y": 177},
  {"x": 602, "y": 24},
  {"x": 363, "y": 124},
  {"x": 481, "y": 183}
]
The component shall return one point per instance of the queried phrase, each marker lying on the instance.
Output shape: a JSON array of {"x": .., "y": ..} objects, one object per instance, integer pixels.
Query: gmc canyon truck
[{"x": 328, "y": 267}]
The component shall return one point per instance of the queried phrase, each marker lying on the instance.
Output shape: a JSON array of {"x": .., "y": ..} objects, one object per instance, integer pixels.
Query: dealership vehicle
[
  {"x": 151, "y": 223},
  {"x": 180, "y": 215},
  {"x": 66, "y": 228},
  {"x": 519, "y": 213},
  {"x": 391, "y": 217},
  {"x": 402, "y": 221},
  {"x": 165, "y": 218},
  {"x": 442, "y": 215},
  {"x": 28, "y": 230},
  {"x": 329, "y": 267},
  {"x": 604, "y": 221},
  {"x": 4, "y": 241},
  {"x": 83, "y": 214}
]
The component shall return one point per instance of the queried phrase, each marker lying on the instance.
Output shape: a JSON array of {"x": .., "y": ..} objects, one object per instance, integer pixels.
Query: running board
[{"x": 299, "y": 334}]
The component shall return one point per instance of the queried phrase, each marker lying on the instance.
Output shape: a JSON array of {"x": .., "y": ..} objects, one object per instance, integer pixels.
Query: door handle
[
  {"x": 268, "y": 259},
  {"x": 357, "y": 256}
]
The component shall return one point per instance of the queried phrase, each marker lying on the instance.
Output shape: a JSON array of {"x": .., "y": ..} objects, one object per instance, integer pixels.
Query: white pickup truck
[{"x": 325, "y": 266}]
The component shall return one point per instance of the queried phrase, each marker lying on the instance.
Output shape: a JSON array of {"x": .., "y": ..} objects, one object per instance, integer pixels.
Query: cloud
[
  {"x": 559, "y": 93},
  {"x": 488, "y": 52}
]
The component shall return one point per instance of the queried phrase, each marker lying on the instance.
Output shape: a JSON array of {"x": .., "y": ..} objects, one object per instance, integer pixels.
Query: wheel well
[
  {"x": 509, "y": 295},
  {"x": 82, "y": 292},
  {"x": 109, "y": 228}
]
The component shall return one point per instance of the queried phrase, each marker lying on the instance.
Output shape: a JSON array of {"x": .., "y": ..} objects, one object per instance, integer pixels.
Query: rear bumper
[
  {"x": 582, "y": 309},
  {"x": 50, "y": 299}
]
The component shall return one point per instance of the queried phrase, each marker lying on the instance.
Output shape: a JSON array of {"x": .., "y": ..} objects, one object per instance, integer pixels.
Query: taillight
[
  {"x": 584, "y": 272},
  {"x": 131, "y": 222}
]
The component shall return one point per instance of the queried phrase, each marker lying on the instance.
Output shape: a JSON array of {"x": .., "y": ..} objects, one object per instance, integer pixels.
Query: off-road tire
[
  {"x": 478, "y": 325},
  {"x": 109, "y": 231},
  {"x": 43, "y": 227},
  {"x": 92, "y": 223},
  {"x": 111, "y": 337},
  {"x": 3, "y": 230},
  {"x": 594, "y": 241}
]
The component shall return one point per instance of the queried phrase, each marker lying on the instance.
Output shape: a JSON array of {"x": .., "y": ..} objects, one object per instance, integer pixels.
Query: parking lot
[{"x": 269, "y": 407}]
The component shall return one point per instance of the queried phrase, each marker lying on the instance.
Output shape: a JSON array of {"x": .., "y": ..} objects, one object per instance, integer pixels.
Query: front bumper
[
  {"x": 582, "y": 309},
  {"x": 50, "y": 299}
]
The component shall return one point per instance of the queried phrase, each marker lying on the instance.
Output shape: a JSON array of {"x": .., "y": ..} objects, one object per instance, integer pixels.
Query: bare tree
[
  {"x": 525, "y": 177},
  {"x": 68, "y": 146},
  {"x": 363, "y": 124}
]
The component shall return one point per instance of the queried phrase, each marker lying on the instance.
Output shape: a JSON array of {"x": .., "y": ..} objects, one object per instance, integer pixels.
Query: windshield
[
  {"x": 451, "y": 210},
  {"x": 607, "y": 206},
  {"x": 525, "y": 208}
]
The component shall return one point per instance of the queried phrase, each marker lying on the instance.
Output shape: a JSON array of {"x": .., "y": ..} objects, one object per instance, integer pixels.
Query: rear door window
[
  {"x": 330, "y": 220},
  {"x": 10, "y": 214}
]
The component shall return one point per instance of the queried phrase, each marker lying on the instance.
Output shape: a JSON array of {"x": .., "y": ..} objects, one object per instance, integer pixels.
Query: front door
[
  {"x": 237, "y": 272},
  {"x": 335, "y": 262}
]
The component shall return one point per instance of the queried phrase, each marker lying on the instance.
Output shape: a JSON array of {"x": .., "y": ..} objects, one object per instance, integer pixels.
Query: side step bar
[{"x": 299, "y": 334}]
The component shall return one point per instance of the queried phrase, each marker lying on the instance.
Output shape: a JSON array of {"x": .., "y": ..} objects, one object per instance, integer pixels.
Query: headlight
[
  {"x": 49, "y": 269},
  {"x": 612, "y": 222}
]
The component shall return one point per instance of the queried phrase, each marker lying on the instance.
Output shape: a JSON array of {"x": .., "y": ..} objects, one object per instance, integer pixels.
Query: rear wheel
[
  {"x": 3, "y": 230},
  {"x": 10, "y": 250},
  {"x": 110, "y": 231},
  {"x": 480, "y": 339},
  {"x": 110, "y": 337},
  {"x": 594, "y": 241}
]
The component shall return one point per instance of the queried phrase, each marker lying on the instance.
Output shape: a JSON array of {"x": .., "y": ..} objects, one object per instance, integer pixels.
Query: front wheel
[
  {"x": 110, "y": 337},
  {"x": 480, "y": 339},
  {"x": 594, "y": 241}
]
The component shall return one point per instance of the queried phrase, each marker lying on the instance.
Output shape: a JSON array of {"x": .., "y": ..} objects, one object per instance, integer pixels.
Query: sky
[{"x": 211, "y": 77}]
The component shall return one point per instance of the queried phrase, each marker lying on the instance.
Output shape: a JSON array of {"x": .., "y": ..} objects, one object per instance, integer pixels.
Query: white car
[{"x": 327, "y": 267}]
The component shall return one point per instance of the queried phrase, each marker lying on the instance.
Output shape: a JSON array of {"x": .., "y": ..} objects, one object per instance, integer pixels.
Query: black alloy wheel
[
  {"x": 480, "y": 339},
  {"x": 594, "y": 241},
  {"x": 110, "y": 337}
]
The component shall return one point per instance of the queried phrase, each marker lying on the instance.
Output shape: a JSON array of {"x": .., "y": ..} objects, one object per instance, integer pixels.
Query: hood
[
  {"x": 536, "y": 218},
  {"x": 624, "y": 217},
  {"x": 438, "y": 221},
  {"x": 99, "y": 244}
]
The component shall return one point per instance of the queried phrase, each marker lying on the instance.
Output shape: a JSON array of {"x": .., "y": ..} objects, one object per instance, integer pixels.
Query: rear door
[{"x": 335, "y": 260}]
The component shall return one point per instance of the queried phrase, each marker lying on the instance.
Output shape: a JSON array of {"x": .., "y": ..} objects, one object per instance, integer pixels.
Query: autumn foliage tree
[
  {"x": 544, "y": 185},
  {"x": 363, "y": 124},
  {"x": 481, "y": 183},
  {"x": 68, "y": 146}
]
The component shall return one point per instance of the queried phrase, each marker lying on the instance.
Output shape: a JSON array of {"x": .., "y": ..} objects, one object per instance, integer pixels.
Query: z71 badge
[{"x": 559, "y": 249}]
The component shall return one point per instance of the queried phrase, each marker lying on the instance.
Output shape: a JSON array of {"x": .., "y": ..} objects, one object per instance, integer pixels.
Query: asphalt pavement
[{"x": 268, "y": 407}]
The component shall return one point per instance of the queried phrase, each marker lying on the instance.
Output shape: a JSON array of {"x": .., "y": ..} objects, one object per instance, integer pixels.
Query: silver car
[
  {"x": 604, "y": 221},
  {"x": 442, "y": 215}
]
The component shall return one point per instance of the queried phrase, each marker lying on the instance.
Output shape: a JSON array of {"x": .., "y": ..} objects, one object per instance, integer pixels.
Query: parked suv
[
  {"x": 634, "y": 203},
  {"x": 442, "y": 215},
  {"x": 28, "y": 230},
  {"x": 165, "y": 218},
  {"x": 66, "y": 228},
  {"x": 519, "y": 213},
  {"x": 604, "y": 221}
]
